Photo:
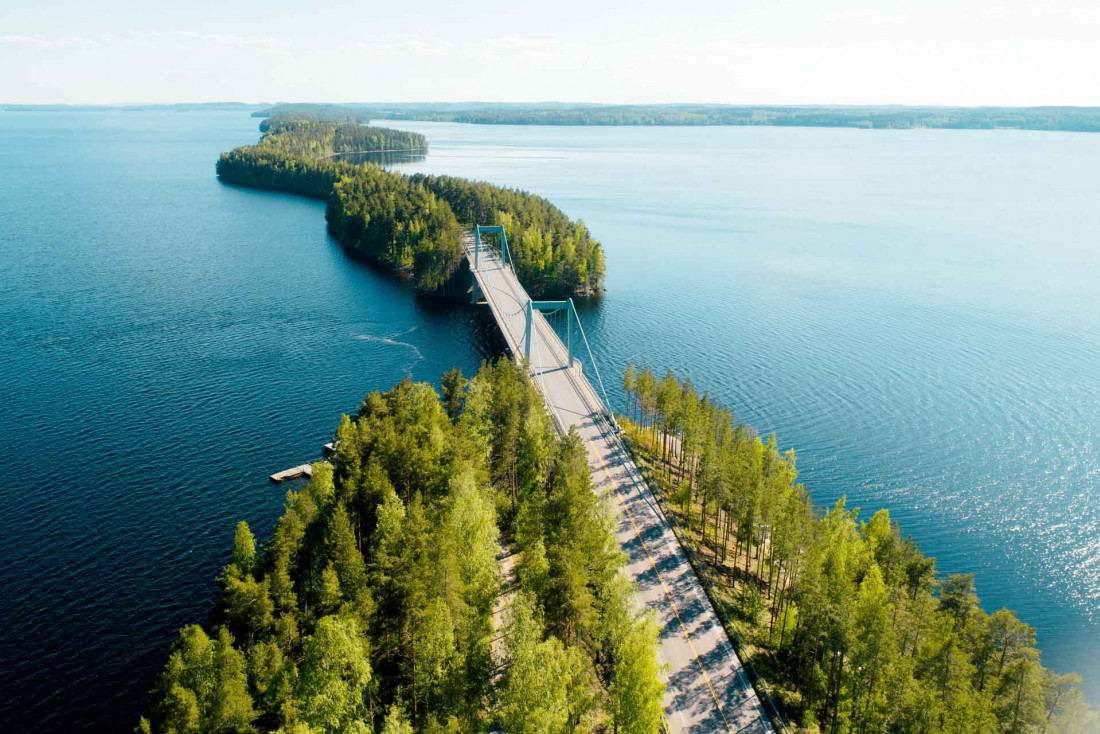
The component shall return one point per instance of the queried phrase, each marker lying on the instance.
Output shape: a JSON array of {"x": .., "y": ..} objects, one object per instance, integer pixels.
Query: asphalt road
[{"x": 707, "y": 688}]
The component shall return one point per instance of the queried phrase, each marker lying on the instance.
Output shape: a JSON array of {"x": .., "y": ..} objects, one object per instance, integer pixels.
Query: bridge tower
[
  {"x": 505, "y": 255},
  {"x": 571, "y": 313}
]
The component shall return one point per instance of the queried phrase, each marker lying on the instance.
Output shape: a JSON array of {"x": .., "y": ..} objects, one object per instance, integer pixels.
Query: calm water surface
[
  {"x": 916, "y": 312},
  {"x": 168, "y": 342}
]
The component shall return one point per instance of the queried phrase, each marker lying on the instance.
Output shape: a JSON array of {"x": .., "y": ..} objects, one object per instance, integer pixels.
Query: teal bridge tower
[{"x": 532, "y": 305}]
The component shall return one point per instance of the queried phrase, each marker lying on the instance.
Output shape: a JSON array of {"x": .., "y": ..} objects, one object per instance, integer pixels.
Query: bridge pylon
[
  {"x": 505, "y": 254},
  {"x": 571, "y": 313}
]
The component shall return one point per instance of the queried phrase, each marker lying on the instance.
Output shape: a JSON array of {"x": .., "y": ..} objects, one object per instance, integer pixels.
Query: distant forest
[
  {"x": 878, "y": 117},
  {"x": 413, "y": 223},
  {"x": 1073, "y": 119}
]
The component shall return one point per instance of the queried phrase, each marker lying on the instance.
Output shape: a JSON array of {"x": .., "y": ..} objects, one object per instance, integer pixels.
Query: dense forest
[
  {"x": 309, "y": 137},
  {"x": 370, "y": 606},
  {"x": 410, "y": 223},
  {"x": 554, "y": 256},
  {"x": 1077, "y": 119},
  {"x": 853, "y": 626}
]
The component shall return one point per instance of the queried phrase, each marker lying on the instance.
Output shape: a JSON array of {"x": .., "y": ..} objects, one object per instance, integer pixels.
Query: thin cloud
[
  {"x": 49, "y": 42},
  {"x": 868, "y": 14},
  {"x": 264, "y": 44},
  {"x": 258, "y": 43}
]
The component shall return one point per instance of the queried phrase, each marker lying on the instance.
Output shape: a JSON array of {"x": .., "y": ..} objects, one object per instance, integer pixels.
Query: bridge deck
[{"x": 708, "y": 690}]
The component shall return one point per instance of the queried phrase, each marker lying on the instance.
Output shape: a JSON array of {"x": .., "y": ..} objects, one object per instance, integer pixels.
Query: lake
[
  {"x": 916, "y": 312},
  {"x": 169, "y": 342}
]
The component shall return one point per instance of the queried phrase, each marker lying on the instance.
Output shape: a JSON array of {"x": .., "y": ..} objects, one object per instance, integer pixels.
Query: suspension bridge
[{"x": 707, "y": 687}]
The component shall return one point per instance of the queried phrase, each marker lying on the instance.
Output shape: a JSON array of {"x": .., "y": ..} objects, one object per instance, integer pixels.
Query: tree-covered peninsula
[
  {"x": 370, "y": 606},
  {"x": 414, "y": 224},
  {"x": 851, "y": 626}
]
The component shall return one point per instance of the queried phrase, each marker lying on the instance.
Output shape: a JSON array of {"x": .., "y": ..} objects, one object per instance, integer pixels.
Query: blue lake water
[
  {"x": 168, "y": 342},
  {"x": 916, "y": 312}
]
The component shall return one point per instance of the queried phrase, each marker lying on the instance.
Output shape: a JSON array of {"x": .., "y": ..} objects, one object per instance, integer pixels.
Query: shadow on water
[
  {"x": 381, "y": 158},
  {"x": 487, "y": 340}
]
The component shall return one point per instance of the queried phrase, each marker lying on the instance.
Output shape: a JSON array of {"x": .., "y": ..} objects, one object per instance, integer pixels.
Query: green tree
[
  {"x": 453, "y": 385},
  {"x": 432, "y": 652},
  {"x": 346, "y": 558},
  {"x": 958, "y": 598},
  {"x": 873, "y": 655},
  {"x": 636, "y": 689},
  {"x": 335, "y": 677},
  {"x": 249, "y": 610},
  {"x": 244, "y": 549},
  {"x": 330, "y": 597},
  {"x": 545, "y": 682},
  {"x": 630, "y": 382},
  {"x": 396, "y": 721},
  {"x": 204, "y": 687}
]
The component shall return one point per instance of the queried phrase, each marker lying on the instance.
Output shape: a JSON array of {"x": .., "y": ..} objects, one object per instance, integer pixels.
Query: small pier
[{"x": 304, "y": 470}]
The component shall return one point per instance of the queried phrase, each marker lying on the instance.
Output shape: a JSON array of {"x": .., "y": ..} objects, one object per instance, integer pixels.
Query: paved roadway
[{"x": 707, "y": 688}]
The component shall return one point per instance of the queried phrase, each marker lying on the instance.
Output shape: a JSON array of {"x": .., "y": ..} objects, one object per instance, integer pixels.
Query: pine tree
[
  {"x": 244, "y": 549},
  {"x": 453, "y": 385}
]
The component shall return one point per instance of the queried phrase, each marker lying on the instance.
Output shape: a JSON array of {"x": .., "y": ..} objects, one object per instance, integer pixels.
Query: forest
[
  {"x": 410, "y": 223},
  {"x": 554, "y": 256},
  {"x": 370, "y": 605},
  {"x": 853, "y": 628},
  {"x": 1074, "y": 119},
  {"x": 311, "y": 137}
]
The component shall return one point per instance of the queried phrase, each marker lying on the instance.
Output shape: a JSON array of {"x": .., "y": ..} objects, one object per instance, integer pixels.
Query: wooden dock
[{"x": 304, "y": 470}]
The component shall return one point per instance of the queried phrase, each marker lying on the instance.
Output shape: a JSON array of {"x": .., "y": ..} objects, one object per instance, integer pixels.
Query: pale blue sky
[{"x": 1012, "y": 52}]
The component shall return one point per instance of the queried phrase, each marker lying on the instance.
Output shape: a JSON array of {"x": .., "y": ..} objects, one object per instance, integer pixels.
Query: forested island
[
  {"x": 414, "y": 223},
  {"x": 852, "y": 627},
  {"x": 896, "y": 117},
  {"x": 369, "y": 608}
]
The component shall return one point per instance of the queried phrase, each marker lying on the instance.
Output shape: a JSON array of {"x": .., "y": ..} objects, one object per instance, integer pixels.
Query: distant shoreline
[{"x": 870, "y": 117}]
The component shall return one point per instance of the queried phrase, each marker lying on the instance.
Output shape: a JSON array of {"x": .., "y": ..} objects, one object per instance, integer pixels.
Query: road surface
[{"x": 707, "y": 688}]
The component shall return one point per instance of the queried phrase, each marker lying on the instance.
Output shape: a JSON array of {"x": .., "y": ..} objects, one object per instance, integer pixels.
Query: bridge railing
[
  {"x": 608, "y": 426},
  {"x": 572, "y": 317}
]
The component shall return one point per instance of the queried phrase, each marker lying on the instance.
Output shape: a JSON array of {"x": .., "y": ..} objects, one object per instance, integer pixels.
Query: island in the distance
[
  {"x": 893, "y": 117},
  {"x": 414, "y": 223},
  {"x": 878, "y": 117}
]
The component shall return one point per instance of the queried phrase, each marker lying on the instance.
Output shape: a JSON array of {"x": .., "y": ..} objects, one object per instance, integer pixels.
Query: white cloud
[
  {"x": 259, "y": 43},
  {"x": 49, "y": 42},
  {"x": 868, "y": 14}
]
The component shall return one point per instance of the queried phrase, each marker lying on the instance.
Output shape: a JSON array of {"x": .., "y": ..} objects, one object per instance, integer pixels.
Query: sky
[{"x": 720, "y": 51}]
